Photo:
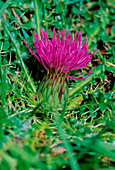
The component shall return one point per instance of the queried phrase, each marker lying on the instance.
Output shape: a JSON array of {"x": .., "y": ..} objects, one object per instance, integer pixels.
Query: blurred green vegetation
[{"x": 81, "y": 133}]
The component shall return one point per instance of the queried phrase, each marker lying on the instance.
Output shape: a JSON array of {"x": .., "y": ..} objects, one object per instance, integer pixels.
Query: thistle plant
[{"x": 60, "y": 55}]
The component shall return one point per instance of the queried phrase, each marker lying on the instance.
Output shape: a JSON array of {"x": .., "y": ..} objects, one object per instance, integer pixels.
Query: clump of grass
[{"x": 79, "y": 132}]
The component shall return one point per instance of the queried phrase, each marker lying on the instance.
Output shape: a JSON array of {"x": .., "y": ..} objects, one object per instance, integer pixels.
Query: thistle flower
[{"x": 62, "y": 54}]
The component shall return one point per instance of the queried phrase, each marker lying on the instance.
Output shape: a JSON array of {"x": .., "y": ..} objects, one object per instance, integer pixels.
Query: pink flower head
[{"x": 63, "y": 53}]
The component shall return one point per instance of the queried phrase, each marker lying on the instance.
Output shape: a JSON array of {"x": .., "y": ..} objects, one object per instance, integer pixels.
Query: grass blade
[
  {"x": 37, "y": 17},
  {"x": 72, "y": 160},
  {"x": 5, "y": 6}
]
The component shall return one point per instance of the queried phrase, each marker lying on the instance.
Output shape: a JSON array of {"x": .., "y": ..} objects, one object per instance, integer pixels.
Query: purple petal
[{"x": 77, "y": 78}]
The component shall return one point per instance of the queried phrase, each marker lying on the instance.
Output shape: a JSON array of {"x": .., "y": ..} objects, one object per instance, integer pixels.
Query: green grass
[{"x": 36, "y": 130}]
